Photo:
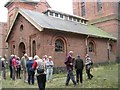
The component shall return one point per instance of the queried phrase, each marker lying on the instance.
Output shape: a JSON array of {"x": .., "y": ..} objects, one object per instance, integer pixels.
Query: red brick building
[
  {"x": 54, "y": 33},
  {"x": 102, "y": 14},
  {"x": 3, "y": 32}
]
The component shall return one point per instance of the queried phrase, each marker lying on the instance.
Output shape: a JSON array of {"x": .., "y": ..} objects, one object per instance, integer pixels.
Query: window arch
[
  {"x": 91, "y": 47},
  {"x": 83, "y": 8},
  {"x": 99, "y": 5},
  {"x": 21, "y": 27},
  {"x": 33, "y": 48},
  {"x": 59, "y": 45},
  {"x": 110, "y": 47}
]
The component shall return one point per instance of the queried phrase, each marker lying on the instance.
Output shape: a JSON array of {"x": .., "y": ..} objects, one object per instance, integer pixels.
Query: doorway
[{"x": 21, "y": 50}]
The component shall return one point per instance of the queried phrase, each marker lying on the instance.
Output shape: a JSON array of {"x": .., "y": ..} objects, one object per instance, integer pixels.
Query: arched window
[
  {"x": 110, "y": 47},
  {"x": 21, "y": 27},
  {"x": 99, "y": 5},
  {"x": 59, "y": 45},
  {"x": 83, "y": 8},
  {"x": 91, "y": 47},
  {"x": 33, "y": 48}
]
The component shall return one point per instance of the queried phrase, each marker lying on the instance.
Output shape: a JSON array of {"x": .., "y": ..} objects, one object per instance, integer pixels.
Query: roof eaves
[{"x": 9, "y": 3}]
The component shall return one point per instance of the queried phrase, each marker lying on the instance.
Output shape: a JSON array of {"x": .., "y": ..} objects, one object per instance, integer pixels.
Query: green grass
[{"x": 104, "y": 77}]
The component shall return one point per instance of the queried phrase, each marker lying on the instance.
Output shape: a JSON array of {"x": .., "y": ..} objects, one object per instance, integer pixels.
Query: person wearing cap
[
  {"x": 39, "y": 66},
  {"x": 10, "y": 65},
  {"x": 88, "y": 65},
  {"x": 24, "y": 60},
  {"x": 69, "y": 65},
  {"x": 49, "y": 68},
  {"x": 45, "y": 58},
  {"x": 79, "y": 69},
  {"x": 30, "y": 71}
]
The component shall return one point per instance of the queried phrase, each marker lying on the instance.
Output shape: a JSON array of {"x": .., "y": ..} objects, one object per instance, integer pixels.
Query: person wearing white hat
[
  {"x": 24, "y": 60},
  {"x": 10, "y": 65},
  {"x": 31, "y": 72},
  {"x": 69, "y": 65},
  {"x": 49, "y": 68},
  {"x": 88, "y": 65},
  {"x": 39, "y": 66}
]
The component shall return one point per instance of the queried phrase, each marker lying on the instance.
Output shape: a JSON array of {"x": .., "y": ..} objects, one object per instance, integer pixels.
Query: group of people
[
  {"x": 29, "y": 66},
  {"x": 78, "y": 63},
  {"x": 43, "y": 68}
]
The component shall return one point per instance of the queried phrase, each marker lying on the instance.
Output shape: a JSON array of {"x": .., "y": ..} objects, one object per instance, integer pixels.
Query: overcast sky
[{"x": 59, "y": 5}]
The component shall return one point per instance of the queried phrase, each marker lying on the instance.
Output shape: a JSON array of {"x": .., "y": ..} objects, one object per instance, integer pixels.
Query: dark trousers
[
  {"x": 11, "y": 71},
  {"x": 89, "y": 74},
  {"x": 70, "y": 76},
  {"x": 41, "y": 80},
  {"x": 31, "y": 79},
  {"x": 18, "y": 72},
  {"x": 79, "y": 75}
]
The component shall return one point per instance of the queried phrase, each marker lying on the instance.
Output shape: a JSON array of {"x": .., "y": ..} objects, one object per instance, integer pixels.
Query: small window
[
  {"x": 21, "y": 28},
  {"x": 56, "y": 14},
  {"x": 91, "y": 47},
  {"x": 83, "y": 8},
  {"x": 78, "y": 20},
  {"x": 74, "y": 19},
  {"x": 61, "y": 16},
  {"x": 59, "y": 45},
  {"x": 70, "y": 18},
  {"x": 51, "y": 13}
]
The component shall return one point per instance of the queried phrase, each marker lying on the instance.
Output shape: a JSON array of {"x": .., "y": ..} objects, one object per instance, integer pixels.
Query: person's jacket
[
  {"x": 29, "y": 65},
  {"x": 68, "y": 62},
  {"x": 79, "y": 64}
]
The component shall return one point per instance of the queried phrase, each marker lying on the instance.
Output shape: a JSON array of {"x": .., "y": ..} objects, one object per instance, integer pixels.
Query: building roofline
[
  {"x": 24, "y": 1},
  {"x": 102, "y": 34}
]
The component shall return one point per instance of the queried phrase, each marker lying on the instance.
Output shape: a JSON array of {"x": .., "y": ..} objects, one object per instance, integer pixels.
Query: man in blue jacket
[{"x": 30, "y": 71}]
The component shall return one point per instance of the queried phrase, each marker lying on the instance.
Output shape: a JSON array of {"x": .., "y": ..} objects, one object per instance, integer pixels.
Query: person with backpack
[
  {"x": 79, "y": 69},
  {"x": 30, "y": 71},
  {"x": 88, "y": 65},
  {"x": 39, "y": 66}
]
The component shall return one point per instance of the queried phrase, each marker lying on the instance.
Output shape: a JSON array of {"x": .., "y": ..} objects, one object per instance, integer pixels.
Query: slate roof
[
  {"x": 25, "y": 1},
  {"x": 44, "y": 21}
]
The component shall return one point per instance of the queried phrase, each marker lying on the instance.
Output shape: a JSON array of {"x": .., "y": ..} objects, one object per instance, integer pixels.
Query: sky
[{"x": 58, "y": 5}]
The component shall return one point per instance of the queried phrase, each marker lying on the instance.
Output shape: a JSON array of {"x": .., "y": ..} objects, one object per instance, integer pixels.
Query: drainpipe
[
  {"x": 108, "y": 51},
  {"x": 86, "y": 43}
]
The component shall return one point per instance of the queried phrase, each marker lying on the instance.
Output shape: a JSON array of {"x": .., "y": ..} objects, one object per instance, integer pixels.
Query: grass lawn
[{"x": 104, "y": 77}]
